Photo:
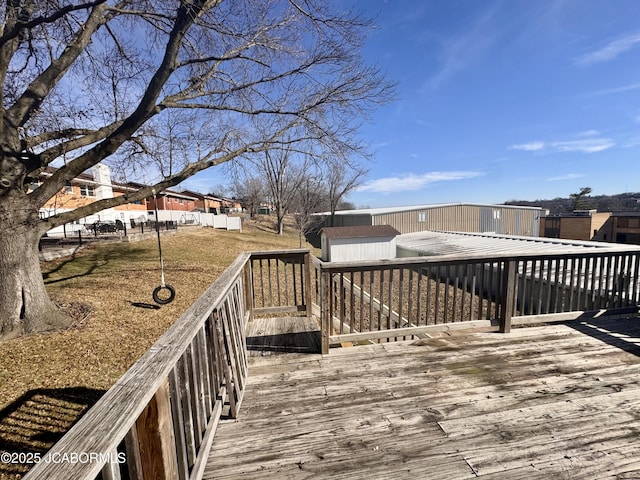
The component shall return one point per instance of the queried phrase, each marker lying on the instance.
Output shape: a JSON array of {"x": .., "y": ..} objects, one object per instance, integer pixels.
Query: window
[
  {"x": 422, "y": 217},
  {"x": 626, "y": 222},
  {"x": 87, "y": 191},
  {"x": 68, "y": 189},
  {"x": 181, "y": 201},
  {"x": 496, "y": 214}
]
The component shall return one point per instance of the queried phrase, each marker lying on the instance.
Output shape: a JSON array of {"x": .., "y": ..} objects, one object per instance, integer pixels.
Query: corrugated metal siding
[
  {"x": 463, "y": 218},
  {"x": 352, "y": 220}
]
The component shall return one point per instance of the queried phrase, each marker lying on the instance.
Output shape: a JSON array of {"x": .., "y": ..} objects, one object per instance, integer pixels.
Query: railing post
[
  {"x": 156, "y": 437},
  {"x": 308, "y": 298},
  {"x": 508, "y": 298},
  {"x": 325, "y": 311},
  {"x": 249, "y": 288}
]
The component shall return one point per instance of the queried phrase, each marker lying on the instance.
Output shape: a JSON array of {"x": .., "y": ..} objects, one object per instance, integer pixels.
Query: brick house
[
  {"x": 205, "y": 203},
  {"x": 87, "y": 188},
  {"x": 620, "y": 227}
]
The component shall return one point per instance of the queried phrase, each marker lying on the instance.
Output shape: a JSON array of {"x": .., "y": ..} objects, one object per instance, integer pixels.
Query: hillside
[{"x": 623, "y": 202}]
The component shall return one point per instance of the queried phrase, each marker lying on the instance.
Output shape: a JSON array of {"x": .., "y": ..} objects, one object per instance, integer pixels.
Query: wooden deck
[
  {"x": 559, "y": 401},
  {"x": 272, "y": 336}
]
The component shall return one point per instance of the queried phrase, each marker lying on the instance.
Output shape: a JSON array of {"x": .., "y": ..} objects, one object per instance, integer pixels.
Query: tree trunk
[
  {"x": 280, "y": 221},
  {"x": 25, "y": 306}
]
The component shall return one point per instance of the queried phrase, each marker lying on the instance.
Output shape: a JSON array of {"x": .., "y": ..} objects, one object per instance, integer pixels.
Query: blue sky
[{"x": 501, "y": 100}]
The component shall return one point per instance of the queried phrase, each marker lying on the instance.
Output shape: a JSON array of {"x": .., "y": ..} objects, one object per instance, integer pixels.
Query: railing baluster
[
  {"x": 419, "y": 297},
  {"x": 352, "y": 313},
  {"x": 132, "y": 449},
  {"x": 182, "y": 459},
  {"x": 481, "y": 286},
  {"x": 447, "y": 282},
  {"x": 635, "y": 278},
  {"x": 362, "y": 322},
  {"x": 371, "y": 293},
  {"x": 474, "y": 275},
  {"x": 390, "y": 309},
  {"x": 438, "y": 285}
]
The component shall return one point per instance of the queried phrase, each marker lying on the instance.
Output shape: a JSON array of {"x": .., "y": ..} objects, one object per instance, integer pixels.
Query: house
[
  {"x": 364, "y": 242},
  {"x": 229, "y": 205},
  {"x": 87, "y": 188},
  {"x": 205, "y": 203},
  {"x": 458, "y": 217},
  {"x": 172, "y": 206},
  {"x": 184, "y": 207}
]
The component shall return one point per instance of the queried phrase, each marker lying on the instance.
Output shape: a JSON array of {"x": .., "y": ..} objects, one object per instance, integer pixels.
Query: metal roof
[
  {"x": 408, "y": 208},
  {"x": 449, "y": 243}
]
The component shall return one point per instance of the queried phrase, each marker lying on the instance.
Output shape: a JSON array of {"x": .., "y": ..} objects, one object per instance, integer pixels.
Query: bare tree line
[{"x": 297, "y": 184}]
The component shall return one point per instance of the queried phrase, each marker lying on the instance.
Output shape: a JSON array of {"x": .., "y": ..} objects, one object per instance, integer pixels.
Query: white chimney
[{"x": 102, "y": 177}]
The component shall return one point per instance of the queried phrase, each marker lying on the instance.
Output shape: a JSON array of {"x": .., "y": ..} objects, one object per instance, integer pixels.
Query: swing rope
[
  {"x": 163, "y": 286},
  {"x": 155, "y": 206}
]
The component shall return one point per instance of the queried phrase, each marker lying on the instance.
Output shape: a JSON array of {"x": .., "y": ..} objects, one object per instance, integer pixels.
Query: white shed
[{"x": 344, "y": 244}]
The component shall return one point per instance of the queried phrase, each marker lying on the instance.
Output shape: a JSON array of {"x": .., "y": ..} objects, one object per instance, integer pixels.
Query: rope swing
[{"x": 163, "y": 293}]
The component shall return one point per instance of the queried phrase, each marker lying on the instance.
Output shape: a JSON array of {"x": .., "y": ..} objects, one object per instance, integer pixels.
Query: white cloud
[
  {"x": 584, "y": 145},
  {"x": 460, "y": 52},
  {"x": 569, "y": 176},
  {"x": 411, "y": 182},
  {"x": 590, "y": 145},
  {"x": 612, "y": 91},
  {"x": 610, "y": 51},
  {"x": 528, "y": 147},
  {"x": 589, "y": 133}
]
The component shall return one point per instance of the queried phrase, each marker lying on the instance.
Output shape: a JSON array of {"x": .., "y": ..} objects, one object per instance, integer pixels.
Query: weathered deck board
[
  {"x": 558, "y": 401},
  {"x": 268, "y": 336}
]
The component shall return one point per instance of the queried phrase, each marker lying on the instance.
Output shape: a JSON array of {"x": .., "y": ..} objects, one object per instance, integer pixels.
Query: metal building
[{"x": 458, "y": 217}]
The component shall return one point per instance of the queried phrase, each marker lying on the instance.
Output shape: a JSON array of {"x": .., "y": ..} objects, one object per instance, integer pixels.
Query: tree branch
[
  {"x": 44, "y": 83},
  {"x": 16, "y": 28}
]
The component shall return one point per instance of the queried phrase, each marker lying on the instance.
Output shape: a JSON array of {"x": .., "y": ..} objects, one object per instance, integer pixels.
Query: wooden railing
[
  {"x": 279, "y": 281},
  {"x": 397, "y": 298},
  {"x": 159, "y": 420}
]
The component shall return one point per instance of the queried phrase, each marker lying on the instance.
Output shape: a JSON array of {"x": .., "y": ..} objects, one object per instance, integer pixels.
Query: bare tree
[
  {"x": 341, "y": 178},
  {"x": 251, "y": 191},
  {"x": 311, "y": 197},
  {"x": 282, "y": 171},
  {"x": 87, "y": 81}
]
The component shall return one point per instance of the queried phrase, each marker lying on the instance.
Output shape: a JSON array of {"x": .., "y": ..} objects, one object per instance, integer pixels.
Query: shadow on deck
[
  {"x": 268, "y": 336},
  {"x": 558, "y": 401}
]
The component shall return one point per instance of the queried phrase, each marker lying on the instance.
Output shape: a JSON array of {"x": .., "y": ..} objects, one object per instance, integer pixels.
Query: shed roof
[
  {"x": 360, "y": 231},
  {"x": 408, "y": 208},
  {"x": 451, "y": 243}
]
